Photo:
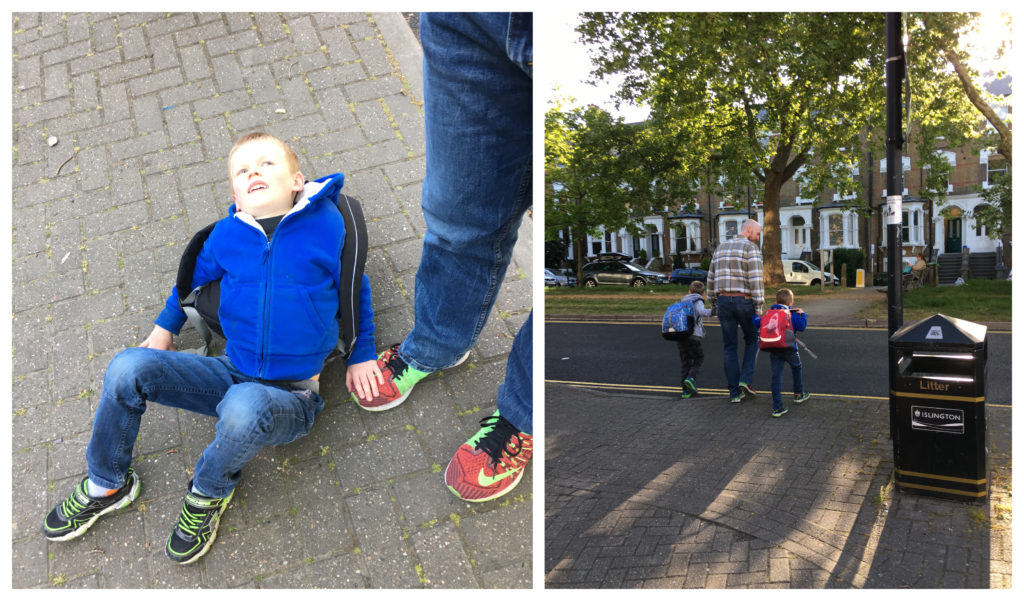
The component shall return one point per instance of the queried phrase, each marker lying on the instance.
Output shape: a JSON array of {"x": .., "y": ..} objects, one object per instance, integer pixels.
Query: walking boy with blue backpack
[
  {"x": 684, "y": 323},
  {"x": 777, "y": 330},
  {"x": 277, "y": 257}
]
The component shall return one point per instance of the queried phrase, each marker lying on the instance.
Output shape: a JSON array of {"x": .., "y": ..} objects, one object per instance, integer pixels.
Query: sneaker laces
[
  {"x": 393, "y": 362},
  {"x": 497, "y": 440},
  {"x": 72, "y": 505},
  {"x": 189, "y": 522}
]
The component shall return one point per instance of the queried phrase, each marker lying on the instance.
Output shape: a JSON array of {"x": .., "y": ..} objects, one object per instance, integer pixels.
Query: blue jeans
[
  {"x": 250, "y": 414},
  {"x": 478, "y": 101},
  {"x": 738, "y": 311},
  {"x": 779, "y": 361}
]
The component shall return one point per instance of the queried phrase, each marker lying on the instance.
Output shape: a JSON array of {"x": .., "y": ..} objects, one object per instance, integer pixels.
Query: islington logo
[{"x": 934, "y": 419}]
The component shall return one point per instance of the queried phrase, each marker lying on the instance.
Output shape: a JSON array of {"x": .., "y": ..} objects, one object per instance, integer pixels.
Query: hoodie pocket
[{"x": 301, "y": 325}]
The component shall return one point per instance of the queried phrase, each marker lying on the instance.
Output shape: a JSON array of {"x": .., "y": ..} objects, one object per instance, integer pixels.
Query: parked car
[
  {"x": 802, "y": 272},
  {"x": 620, "y": 273},
  {"x": 554, "y": 279},
  {"x": 685, "y": 275}
]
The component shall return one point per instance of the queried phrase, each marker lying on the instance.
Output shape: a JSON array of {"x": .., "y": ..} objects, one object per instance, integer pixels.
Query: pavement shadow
[{"x": 657, "y": 493}]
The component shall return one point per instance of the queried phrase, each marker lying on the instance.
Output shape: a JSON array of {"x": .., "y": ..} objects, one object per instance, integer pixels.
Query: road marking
[
  {"x": 716, "y": 324},
  {"x": 677, "y": 389}
]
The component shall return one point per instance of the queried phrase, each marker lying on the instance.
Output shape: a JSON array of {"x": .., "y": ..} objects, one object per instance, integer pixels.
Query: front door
[{"x": 954, "y": 235}]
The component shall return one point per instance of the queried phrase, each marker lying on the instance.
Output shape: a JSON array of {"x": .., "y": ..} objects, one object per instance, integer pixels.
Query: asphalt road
[{"x": 850, "y": 361}]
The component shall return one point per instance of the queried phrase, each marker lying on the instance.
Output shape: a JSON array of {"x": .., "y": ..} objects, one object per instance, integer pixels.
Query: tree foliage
[
  {"x": 602, "y": 172},
  {"x": 755, "y": 97}
]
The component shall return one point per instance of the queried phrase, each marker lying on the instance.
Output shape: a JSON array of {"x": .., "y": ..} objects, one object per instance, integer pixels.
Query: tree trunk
[
  {"x": 1005, "y": 147},
  {"x": 578, "y": 242},
  {"x": 771, "y": 234}
]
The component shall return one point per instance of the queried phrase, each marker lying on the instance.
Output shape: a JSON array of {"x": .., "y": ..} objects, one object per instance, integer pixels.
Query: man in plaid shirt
[{"x": 736, "y": 283}]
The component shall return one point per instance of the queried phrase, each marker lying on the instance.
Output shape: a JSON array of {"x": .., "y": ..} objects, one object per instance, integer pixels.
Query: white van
[{"x": 802, "y": 272}]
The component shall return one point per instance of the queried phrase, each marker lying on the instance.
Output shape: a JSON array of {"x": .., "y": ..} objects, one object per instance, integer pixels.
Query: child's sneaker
[
  {"x": 399, "y": 380},
  {"x": 747, "y": 389},
  {"x": 197, "y": 527},
  {"x": 490, "y": 463},
  {"x": 801, "y": 397},
  {"x": 779, "y": 412},
  {"x": 691, "y": 384},
  {"x": 79, "y": 511}
]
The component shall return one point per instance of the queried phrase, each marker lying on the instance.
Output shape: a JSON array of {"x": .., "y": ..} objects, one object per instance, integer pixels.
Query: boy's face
[{"x": 262, "y": 183}]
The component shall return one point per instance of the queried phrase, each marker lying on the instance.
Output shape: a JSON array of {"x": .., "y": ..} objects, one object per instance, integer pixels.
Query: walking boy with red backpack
[{"x": 777, "y": 329}]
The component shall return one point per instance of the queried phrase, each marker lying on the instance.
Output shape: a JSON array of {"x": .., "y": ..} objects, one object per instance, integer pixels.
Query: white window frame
[
  {"x": 850, "y": 229},
  {"x": 906, "y": 167},
  {"x": 983, "y": 158},
  {"x": 914, "y": 233}
]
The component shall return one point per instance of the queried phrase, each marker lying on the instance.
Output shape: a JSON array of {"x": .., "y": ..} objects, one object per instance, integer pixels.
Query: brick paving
[
  {"x": 145, "y": 108},
  {"x": 653, "y": 492}
]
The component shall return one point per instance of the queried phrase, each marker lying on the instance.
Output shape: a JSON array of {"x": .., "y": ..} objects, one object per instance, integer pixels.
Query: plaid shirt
[{"x": 737, "y": 267}]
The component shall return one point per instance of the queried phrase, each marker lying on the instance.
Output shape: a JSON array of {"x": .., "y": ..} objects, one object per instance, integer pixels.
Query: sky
[{"x": 571, "y": 67}]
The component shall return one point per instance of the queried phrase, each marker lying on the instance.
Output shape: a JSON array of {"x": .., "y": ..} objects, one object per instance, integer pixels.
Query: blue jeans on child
[
  {"x": 251, "y": 414},
  {"x": 478, "y": 101},
  {"x": 779, "y": 360},
  {"x": 736, "y": 311}
]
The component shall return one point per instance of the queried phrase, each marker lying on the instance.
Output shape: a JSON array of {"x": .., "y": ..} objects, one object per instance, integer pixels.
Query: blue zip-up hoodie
[{"x": 279, "y": 298}]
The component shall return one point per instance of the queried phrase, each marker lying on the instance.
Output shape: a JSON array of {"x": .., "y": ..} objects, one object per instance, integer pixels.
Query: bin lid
[{"x": 941, "y": 331}]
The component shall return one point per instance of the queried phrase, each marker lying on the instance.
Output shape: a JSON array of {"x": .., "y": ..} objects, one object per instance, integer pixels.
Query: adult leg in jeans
[
  {"x": 750, "y": 346},
  {"x": 478, "y": 95},
  {"x": 729, "y": 316}
]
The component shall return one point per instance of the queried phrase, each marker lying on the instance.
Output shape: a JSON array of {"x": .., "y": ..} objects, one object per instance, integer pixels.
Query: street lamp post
[{"x": 894, "y": 71}]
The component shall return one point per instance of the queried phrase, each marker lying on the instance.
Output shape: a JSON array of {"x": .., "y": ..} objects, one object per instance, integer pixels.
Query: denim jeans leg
[
  {"x": 137, "y": 376},
  {"x": 778, "y": 362},
  {"x": 728, "y": 318},
  {"x": 478, "y": 90},
  {"x": 251, "y": 416},
  {"x": 793, "y": 358},
  {"x": 750, "y": 345},
  {"x": 515, "y": 395}
]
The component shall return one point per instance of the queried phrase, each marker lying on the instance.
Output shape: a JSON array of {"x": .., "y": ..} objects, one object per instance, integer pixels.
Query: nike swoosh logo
[{"x": 486, "y": 480}]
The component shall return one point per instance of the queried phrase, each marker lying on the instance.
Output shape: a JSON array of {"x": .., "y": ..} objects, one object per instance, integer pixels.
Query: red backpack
[{"x": 776, "y": 330}]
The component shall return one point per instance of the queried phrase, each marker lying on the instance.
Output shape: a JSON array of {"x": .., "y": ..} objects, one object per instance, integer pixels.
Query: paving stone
[{"x": 147, "y": 105}]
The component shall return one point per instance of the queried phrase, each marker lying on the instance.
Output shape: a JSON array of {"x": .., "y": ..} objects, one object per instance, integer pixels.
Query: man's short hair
[
  {"x": 697, "y": 286},
  {"x": 784, "y": 296},
  {"x": 256, "y": 136},
  {"x": 750, "y": 223}
]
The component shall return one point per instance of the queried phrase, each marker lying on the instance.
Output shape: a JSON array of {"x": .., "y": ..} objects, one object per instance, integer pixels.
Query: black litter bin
[{"x": 937, "y": 399}]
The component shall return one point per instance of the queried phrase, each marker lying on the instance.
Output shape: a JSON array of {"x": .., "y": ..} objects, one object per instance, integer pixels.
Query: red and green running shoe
[
  {"x": 399, "y": 379},
  {"x": 490, "y": 463}
]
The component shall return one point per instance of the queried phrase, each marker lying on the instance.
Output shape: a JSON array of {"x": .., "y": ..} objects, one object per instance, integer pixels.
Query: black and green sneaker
[
  {"x": 73, "y": 516},
  {"x": 197, "y": 527}
]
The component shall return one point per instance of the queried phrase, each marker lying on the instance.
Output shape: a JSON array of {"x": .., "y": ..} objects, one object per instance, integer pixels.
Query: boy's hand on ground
[
  {"x": 362, "y": 379},
  {"x": 159, "y": 339}
]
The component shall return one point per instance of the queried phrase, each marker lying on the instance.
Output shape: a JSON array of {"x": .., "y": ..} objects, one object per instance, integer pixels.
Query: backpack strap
[
  {"x": 353, "y": 262},
  {"x": 188, "y": 297}
]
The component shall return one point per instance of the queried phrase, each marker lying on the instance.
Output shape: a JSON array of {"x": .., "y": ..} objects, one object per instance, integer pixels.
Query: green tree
[
  {"x": 947, "y": 32},
  {"x": 602, "y": 172},
  {"x": 763, "y": 93}
]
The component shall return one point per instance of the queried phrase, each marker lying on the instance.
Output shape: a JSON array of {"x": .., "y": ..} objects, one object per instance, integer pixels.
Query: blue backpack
[{"x": 679, "y": 321}]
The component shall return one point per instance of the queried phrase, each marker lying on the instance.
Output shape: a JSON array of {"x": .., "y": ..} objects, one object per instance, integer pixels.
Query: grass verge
[
  {"x": 977, "y": 300},
  {"x": 622, "y": 300}
]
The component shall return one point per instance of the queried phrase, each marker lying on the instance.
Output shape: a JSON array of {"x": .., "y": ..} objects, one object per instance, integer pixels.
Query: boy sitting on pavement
[
  {"x": 790, "y": 354},
  {"x": 691, "y": 350},
  {"x": 277, "y": 256}
]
